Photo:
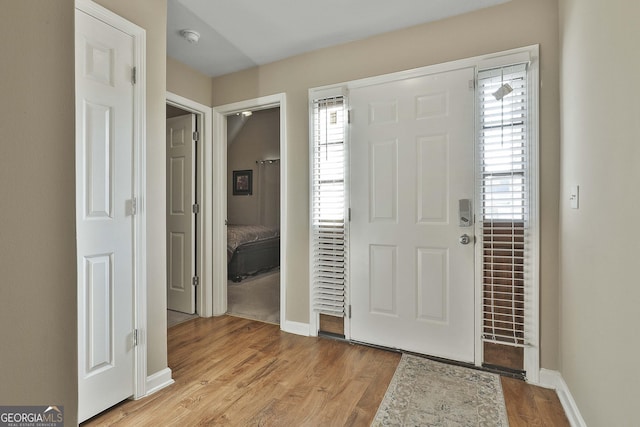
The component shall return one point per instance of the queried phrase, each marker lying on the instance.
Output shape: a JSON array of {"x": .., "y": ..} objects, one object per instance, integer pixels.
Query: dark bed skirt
[{"x": 255, "y": 257}]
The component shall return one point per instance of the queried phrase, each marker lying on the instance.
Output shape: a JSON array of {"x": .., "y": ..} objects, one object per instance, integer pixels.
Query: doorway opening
[
  {"x": 253, "y": 214},
  {"x": 187, "y": 206},
  {"x": 222, "y": 181}
]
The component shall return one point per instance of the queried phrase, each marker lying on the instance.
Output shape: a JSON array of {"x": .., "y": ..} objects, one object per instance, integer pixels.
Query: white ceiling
[{"x": 240, "y": 34}]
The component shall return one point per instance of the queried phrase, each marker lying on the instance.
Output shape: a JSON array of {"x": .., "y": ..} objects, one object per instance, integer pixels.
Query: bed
[{"x": 251, "y": 249}]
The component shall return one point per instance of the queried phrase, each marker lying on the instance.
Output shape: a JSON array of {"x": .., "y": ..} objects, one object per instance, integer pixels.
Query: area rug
[{"x": 423, "y": 392}]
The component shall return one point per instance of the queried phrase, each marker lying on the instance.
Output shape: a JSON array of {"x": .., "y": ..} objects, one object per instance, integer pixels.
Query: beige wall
[
  {"x": 259, "y": 139},
  {"x": 514, "y": 24},
  {"x": 189, "y": 83},
  {"x": 152, "y": 16},
  {"x": 600, "y": 242},
  {"x": 38, "y": 362},
  {"x": 38, "y": 302}
]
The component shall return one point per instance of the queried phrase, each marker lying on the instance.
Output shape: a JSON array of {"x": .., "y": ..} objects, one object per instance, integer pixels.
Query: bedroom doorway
[{"x": 253, "y": 214}]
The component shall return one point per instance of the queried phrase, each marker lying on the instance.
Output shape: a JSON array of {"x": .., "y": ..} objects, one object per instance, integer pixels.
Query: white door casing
[
  {"x": 411, "y": 151},
  {"x": 204, "y": 196},
  {"x": 104, "y": 214},
  {"x": 219, "y": 208},
  {"x": 180, "y": 221}
]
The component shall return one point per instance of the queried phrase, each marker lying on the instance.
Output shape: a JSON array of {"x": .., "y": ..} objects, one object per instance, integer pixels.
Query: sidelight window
[
  {"x": 504, "y": 180},
  {"x": 328, "y": 210}
]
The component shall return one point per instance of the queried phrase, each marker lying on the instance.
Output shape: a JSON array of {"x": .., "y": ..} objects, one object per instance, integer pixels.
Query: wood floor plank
[
  {"x": 529, "y": 405},
  {"x": 239, "y": 372}
]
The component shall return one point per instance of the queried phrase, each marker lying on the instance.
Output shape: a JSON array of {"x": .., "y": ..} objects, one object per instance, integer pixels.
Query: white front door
[
  {"x": 180, "y": 221},
  {"x": 412, "y": 281},
  {"x": 105, "y": 226}
]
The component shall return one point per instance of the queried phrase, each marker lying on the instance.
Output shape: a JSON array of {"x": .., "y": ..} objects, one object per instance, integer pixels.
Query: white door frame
[
  {"x": 139, "y": 178},
  {"x": 204, "y": 196},
  {"x": 219, "y": 231},
  {"x": 512, "y": 56}
]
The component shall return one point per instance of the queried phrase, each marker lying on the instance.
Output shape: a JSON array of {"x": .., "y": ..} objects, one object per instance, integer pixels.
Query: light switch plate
[{"x": 574, "y": 196}]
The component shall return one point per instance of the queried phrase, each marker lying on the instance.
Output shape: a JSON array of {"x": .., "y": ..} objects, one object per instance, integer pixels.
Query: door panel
[
  {"x": 99, "y": 289},
  {"x": 383, "y": 265},
  {"x": 432, "y": 284},
  {"x": 384, "y": 185},
  {"x": 411, "y": 161},
  {"x": 105, "y": 230},
  {"x": 180, "y": 221},
  {"x": 432, "y": 179}
]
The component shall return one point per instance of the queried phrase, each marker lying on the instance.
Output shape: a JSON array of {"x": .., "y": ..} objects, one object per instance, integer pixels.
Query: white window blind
[
  {"x": 329, "y": 237},
  {"x": 504, "y": 191}
]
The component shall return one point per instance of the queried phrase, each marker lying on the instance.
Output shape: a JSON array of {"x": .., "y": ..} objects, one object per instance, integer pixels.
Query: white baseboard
[
  {"x": 295, "y": 328},
  {"x": 158, "y": 381},
  {"x": 554, "y": 380}
]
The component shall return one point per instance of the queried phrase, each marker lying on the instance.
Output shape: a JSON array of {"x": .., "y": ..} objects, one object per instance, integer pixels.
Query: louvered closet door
[{"x": 412, "y": 281}]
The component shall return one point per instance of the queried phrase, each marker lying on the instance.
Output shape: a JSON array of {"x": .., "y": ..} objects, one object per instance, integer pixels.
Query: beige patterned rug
[{"x": 428, "y": 393}]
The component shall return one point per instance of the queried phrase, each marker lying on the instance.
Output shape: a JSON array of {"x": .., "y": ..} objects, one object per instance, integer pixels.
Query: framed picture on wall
[{"x": 243, "y": 182}]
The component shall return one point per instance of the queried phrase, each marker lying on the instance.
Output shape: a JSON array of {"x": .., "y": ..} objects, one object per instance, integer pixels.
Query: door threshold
[
  {"x": 333, "y": 335},
  {"x": 505, "y": 372}
]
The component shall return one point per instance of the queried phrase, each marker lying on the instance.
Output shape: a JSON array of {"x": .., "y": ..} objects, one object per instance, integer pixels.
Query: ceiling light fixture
[{"x": 190, "y": 35}]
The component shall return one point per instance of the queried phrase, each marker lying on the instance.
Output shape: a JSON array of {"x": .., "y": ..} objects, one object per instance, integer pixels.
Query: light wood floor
[{"x": 233, "y": 371}]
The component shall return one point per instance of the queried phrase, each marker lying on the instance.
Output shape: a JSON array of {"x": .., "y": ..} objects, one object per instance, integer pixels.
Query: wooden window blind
[
  {"x": 504, "y": 191},
  {"x": 328, "y": 206}
]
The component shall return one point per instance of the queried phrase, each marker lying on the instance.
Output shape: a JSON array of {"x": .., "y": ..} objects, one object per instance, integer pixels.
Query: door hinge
[
  {"x": 196, "y": 136},
  {"x": 136, "y": 337},
  {"x": 195, "y": 280},
  {"x": 349, "y": 311},
  {"x": 349, "y": 214},
  {"x": 134, "y": 76},
  {"x": 195, "y": 208},
  {"x": 348, "y": 116},
  {"x": 472, "y": 84},
  {"x": 132, "y": 206}
]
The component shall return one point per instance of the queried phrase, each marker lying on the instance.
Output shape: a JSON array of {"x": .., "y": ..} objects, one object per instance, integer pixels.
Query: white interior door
[
  {"x": 105, "y": 227},
  {"x": 412, "y": 281},
  {"x": 180, "y": 217}
]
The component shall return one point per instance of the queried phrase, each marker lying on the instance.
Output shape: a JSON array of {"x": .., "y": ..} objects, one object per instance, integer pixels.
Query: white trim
[
  {"x": 219, "y": 214},
  {"x": 297, "y": 328},
  {"x": 314, "y": 317},
  {"x": 532, "y": 349},
  {"x": 553, "y": 379},
  {"x": 139, "y": 134},
  {"x": 219, "y": 191},
  {"x": 158, "y": 381},
  {"x": 140, "y": 177},
  {"x": 205, "y": 180},
  {"x": 482, "y": 61}
]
